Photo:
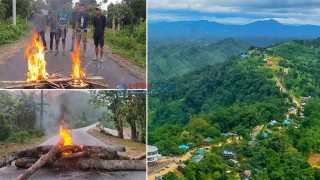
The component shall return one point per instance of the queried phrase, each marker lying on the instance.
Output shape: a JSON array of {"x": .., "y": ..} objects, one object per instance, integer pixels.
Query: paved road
[
  {"x": 80, "y": 136},
  {"x": 113, "y": 73}
]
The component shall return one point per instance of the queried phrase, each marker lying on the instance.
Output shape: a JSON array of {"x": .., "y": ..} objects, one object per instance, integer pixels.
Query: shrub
[
  {"x": 4, "y": 132},
  {"x": 10, "y": 33},
  {"x": 19, "y": 137}
]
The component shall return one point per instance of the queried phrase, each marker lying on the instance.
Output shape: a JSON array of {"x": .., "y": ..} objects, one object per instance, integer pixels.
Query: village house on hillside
[
  {"x": 207, "y": 140},
  {"x": 292, "y": 110},
  {"x": 305, "y": 99},
  {"x": 228, "y": 154},
  {"x": 197, "y": 158},
  {"x": 153, "y": 155},
  {"x": 272, "y": 122},
  {"x": 245, "y": 56}
]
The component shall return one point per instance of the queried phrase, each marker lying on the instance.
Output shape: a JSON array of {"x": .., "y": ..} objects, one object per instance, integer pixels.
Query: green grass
[{"x": 132, "y": 48}]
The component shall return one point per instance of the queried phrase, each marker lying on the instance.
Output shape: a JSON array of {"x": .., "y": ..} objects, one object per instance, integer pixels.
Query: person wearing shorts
[
  {"x": 82, "y": 28},
  {"x": 99, "y": 24},
  {"x": 63, "y": 25}
]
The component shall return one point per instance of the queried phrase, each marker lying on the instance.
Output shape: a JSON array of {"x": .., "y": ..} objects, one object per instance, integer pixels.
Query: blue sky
[{"x": 236, "y": 11}]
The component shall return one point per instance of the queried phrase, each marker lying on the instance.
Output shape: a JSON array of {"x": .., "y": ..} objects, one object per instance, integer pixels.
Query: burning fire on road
[
  {"x": 77, "y": 72},
  {"x": 66, "y": 141},
  {"x": 36, "y": 59}
]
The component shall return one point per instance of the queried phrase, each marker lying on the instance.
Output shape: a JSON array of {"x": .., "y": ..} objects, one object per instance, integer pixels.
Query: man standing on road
[
  {"x": 99, "y": 24},
  {"x": 74, "y": 16},
  {"x": 63, "y": 25},
  {"x": 82, "y": 28},
  {"x": 39, "y": 23},
  {"x": 53, "y": 28}
]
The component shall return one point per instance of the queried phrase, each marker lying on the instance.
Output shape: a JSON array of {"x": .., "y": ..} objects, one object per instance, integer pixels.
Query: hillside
[
  {"x": 242, "y": 95},
  {"x": 259, "y": 33},
  {"x": 188, "y": 56}
]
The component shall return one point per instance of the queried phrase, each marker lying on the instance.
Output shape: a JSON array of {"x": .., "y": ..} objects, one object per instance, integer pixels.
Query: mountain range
[{"x": 259, "y": 33}]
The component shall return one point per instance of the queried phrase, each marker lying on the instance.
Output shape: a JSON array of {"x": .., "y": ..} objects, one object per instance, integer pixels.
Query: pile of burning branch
[
  {"x": 74, "y": 157},
  {"x": 38, "y": 78},
  {"x": 65, "y": 155},
  {"x": 57, "y": 81}
]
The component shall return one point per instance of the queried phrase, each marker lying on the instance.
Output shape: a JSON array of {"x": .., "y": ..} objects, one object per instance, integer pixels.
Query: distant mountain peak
[{"x": 266, "y": 22}]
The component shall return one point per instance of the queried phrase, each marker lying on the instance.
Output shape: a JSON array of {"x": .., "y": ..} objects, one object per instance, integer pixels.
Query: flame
[
  {"x": 65, "y": 135},
  {"x": 36, "y": 61},
  {"x": 77, "y": 72}
]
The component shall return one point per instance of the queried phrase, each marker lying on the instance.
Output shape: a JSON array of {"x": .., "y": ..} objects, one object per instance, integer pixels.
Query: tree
[
  {"x": 3, "y": 11},
  {"x": 24, "y": 8},
  {"x": 56, "y": 4},
  {"x": 132, "y": 119},
  {"x": 114, "y": 102}
]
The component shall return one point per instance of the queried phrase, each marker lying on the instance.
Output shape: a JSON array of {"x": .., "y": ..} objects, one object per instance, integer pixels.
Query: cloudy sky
[{"x": 236, "y": 11}]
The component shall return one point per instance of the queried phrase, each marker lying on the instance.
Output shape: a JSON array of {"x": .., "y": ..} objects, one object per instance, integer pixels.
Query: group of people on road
[{"x": 79, "y": 20}]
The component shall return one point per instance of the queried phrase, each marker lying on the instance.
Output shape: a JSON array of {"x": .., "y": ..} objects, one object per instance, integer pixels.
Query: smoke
[{"x": 69, "y": 106}]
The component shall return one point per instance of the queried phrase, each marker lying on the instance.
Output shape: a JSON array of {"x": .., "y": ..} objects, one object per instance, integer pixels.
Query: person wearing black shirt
[
  {"x": 99, "y": 24},
  {"x": 82, "y": 28},
  {"x": 74, "y": 16}
]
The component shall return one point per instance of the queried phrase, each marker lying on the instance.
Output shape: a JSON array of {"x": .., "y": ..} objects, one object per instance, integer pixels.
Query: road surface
[
  {"x": 115, "y": 133},
  {"x": 79, "y": 136},
  {"x": 16, "y": 68}
]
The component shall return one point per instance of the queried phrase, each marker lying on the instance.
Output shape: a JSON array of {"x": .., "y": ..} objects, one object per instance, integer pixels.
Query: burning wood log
[
  {"x": 43, "y": 159},
  {"x": 25, "y": 162},
  {"x": 31, "y": 152}
]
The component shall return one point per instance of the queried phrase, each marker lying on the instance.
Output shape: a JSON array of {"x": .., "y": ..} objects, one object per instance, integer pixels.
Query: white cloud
[{"x": 240, "y": 12}]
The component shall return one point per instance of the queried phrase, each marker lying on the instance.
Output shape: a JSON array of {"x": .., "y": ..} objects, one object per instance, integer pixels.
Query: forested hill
[
  {"x": 237, "y": 96},
  {"x": 174, "y": 60}
]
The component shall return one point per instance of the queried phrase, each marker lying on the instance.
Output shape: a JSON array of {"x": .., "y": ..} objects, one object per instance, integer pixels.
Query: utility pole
[
  {"x": 14, "y": 11},
  {"x": 41, "y": 110}
]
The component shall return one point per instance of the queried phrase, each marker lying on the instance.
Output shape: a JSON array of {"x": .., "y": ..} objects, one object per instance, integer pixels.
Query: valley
[{"x": 267, "y": 96}]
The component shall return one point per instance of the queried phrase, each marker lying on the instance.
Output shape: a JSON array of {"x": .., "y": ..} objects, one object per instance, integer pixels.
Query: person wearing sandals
[
  {"x": 63, "y": 25},
  {"x": 99, "y": 24},
  {"x": 82, "y": 28}
]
